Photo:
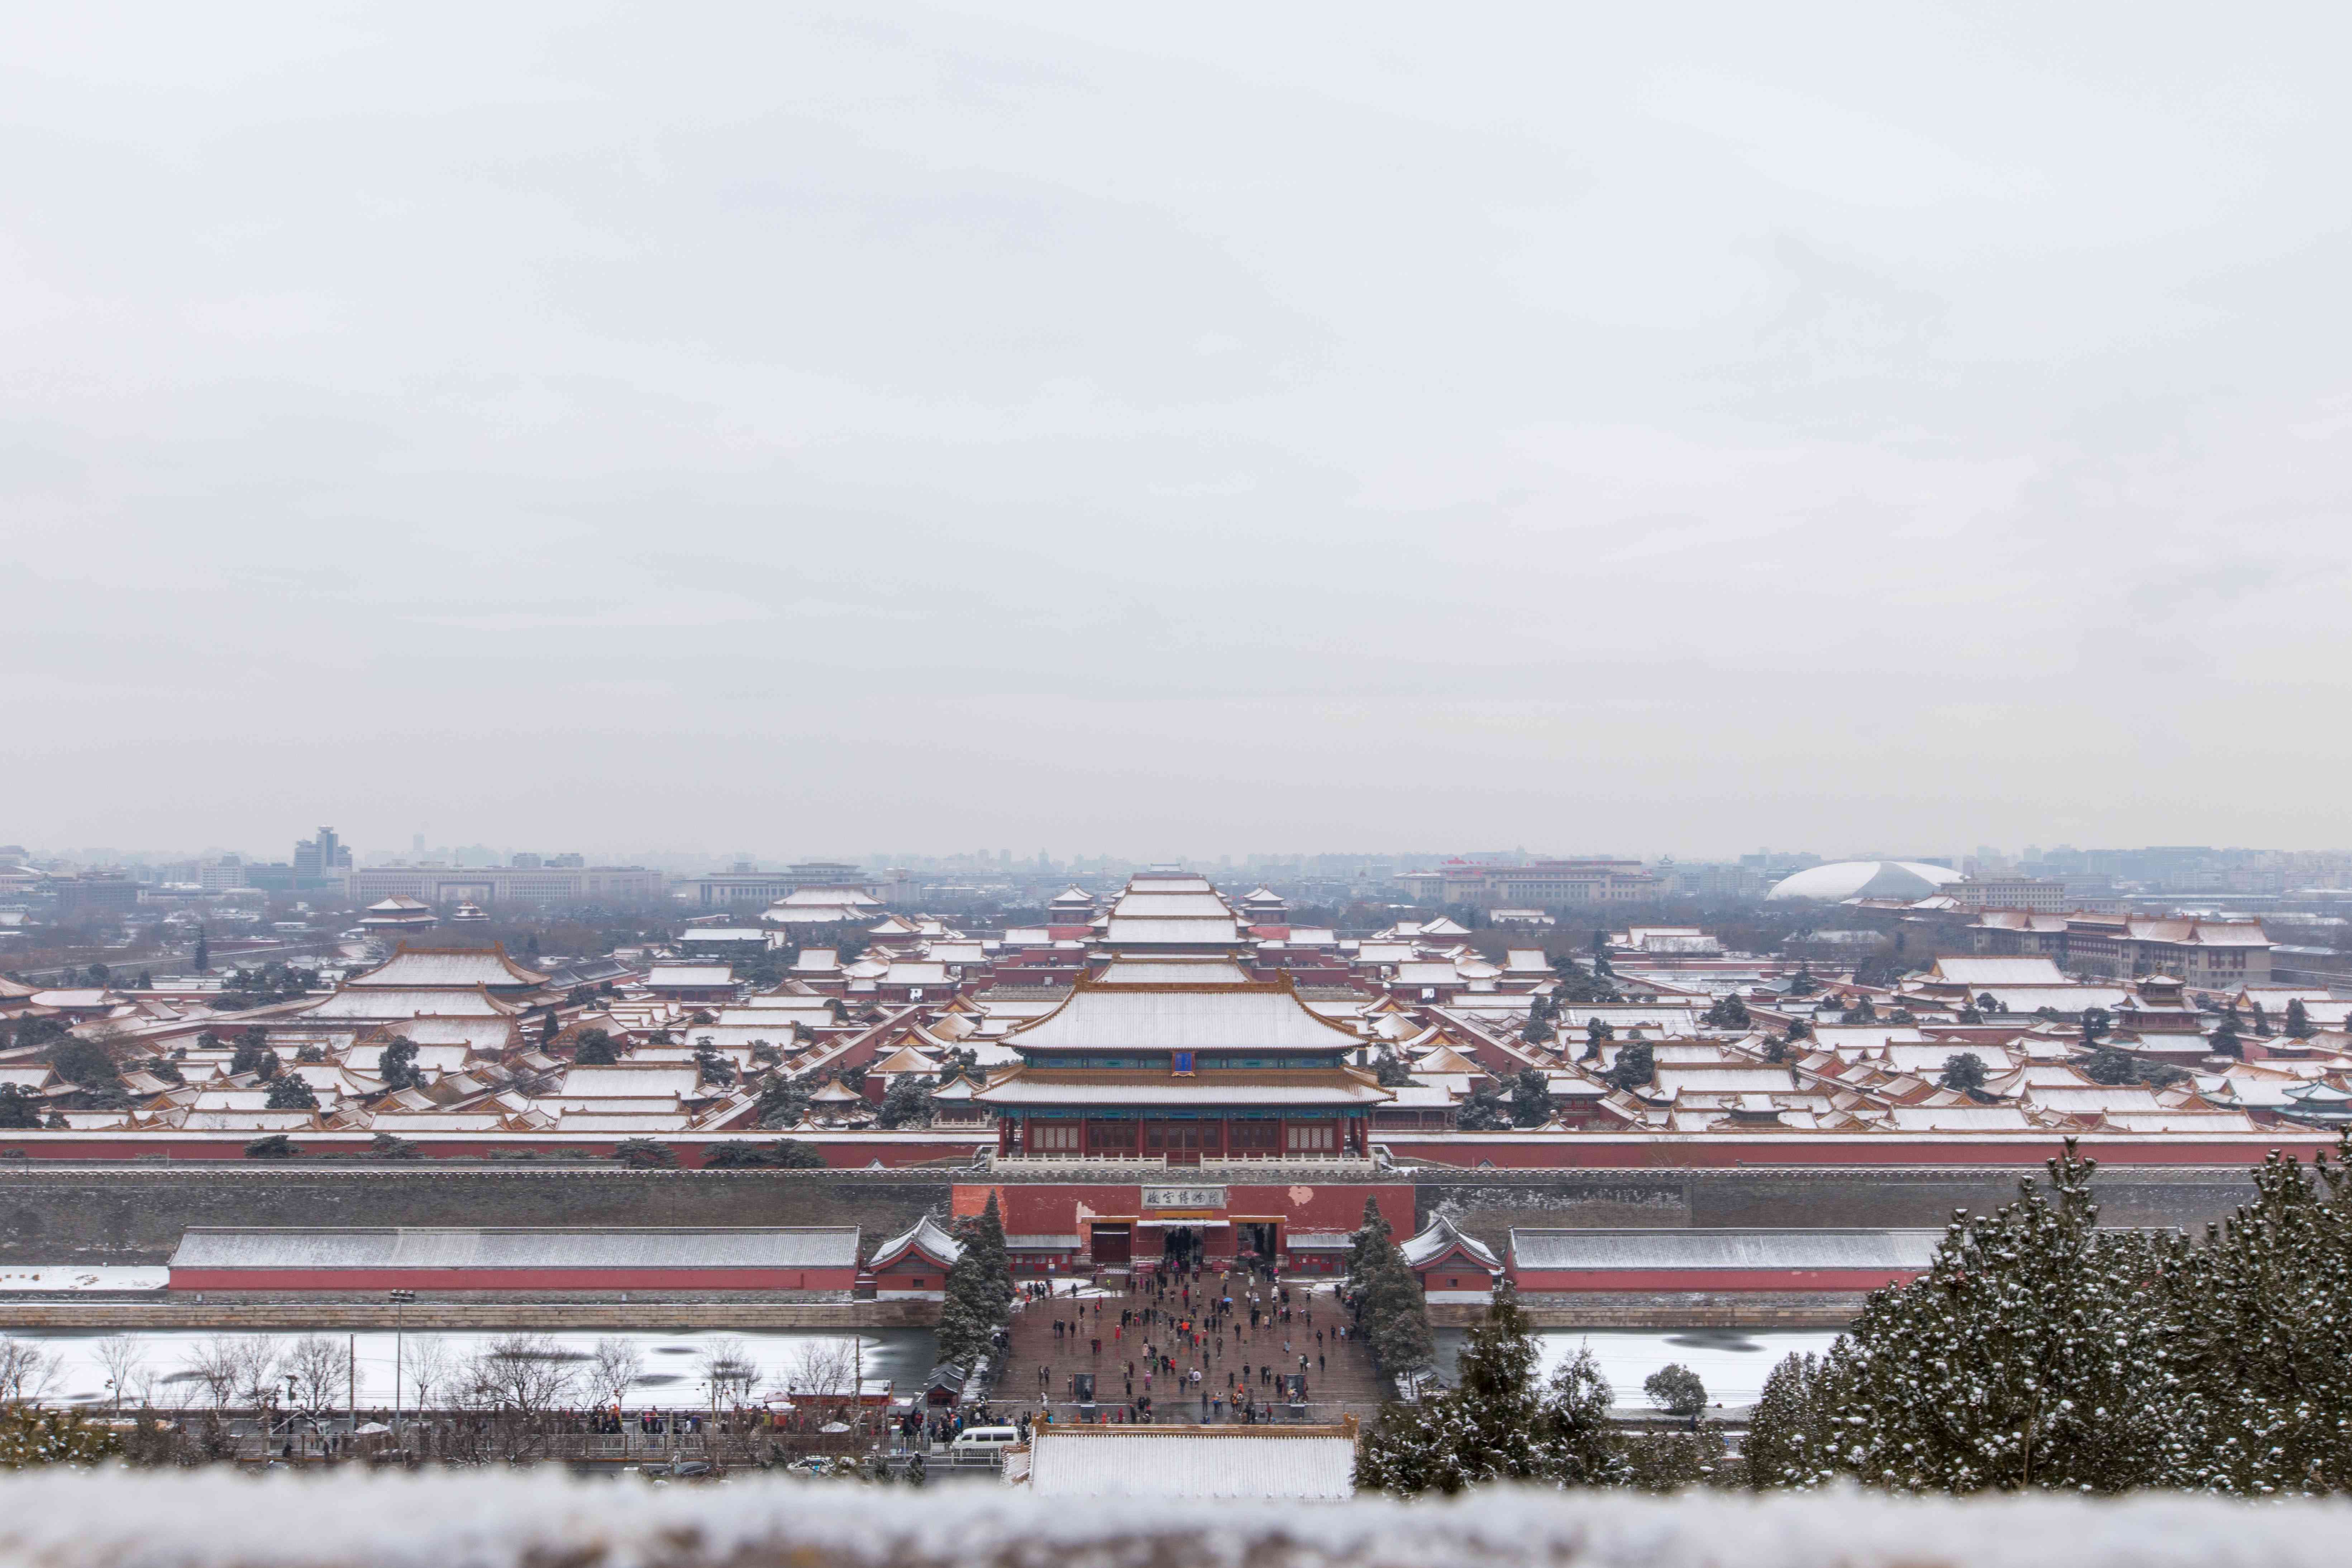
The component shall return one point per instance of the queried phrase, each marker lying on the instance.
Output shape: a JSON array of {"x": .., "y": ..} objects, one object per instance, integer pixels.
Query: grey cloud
[{"x": 1117, "y": 430}]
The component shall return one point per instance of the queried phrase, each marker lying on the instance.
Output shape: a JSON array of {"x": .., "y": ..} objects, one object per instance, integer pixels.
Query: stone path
[{"x": 1345, "y": 1382}]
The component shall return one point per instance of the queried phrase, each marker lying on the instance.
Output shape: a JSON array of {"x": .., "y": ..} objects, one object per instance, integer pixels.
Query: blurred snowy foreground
[{"x": 507, "y": 1520}]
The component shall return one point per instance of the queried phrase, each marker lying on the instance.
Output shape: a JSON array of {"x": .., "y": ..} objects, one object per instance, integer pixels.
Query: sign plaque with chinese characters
[{"x": 1183, "y": 1198}]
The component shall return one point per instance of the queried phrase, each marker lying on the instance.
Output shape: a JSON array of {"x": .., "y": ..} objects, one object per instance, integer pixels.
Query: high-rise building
[{"x": 322, "y": 861}]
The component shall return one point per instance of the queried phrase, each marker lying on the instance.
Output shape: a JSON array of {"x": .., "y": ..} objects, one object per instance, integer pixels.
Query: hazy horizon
[{"x": 1212, "y": 433}]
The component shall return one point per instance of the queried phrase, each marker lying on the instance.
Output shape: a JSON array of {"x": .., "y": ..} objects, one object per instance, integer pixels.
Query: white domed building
[{"x": 1844, "y": 879}]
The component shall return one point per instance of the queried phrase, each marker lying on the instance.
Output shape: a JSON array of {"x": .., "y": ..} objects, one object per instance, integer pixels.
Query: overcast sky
[{"x": 1159, "y": 430}]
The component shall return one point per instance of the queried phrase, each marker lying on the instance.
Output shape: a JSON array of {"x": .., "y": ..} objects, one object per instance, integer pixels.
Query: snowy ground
[
  {"x": 1732, "y": 1363},
  {"x": 69, "y": 1276},
  {"x": 673, "y": 1361}
]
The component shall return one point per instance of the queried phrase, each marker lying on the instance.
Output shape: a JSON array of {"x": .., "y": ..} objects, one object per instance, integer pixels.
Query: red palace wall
[
  {"x": 912, "y": 1272},
  {"x": 1073, "y": 1209}
]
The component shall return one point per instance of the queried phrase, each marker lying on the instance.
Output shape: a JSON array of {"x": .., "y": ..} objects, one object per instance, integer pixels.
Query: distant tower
[{"x": 320, "y": 860}]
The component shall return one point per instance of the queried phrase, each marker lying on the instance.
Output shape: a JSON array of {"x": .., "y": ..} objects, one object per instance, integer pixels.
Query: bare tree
[
  {"x": 212, "y": 1371},
  {"x": 821, "y": 1369},
  {"x": 727, "y": 1367},
  {"x": 317, "y": 1371},
  {"x": 125, "y": 1361},
  {"x": 615, "y": 1368},
  {"x": 26, "y": 1370},
  {"x": 517, "y": 1382},
  {"x": 428, "y": 1365},
  {"x": 253, "y": 1375}
]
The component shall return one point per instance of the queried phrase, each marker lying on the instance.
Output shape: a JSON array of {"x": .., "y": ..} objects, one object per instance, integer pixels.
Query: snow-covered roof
[
  {"x": 690, "y": 977},
  {"x": 1984, "y": 972},
  {"x": 927, "y": 1238},
  {"x": 388, "y": 1004},
  {"x": 1115, "y": 1089},
  {"x": 1438, "y": 1237},
  {"x": 1123, "y": 930},
  {"x": 798, "y": 1246},
  {"x": 1555, "y": 1249},
  {"x": 1172, "y": 972},
  {"x": 1252, "y": 1017},
  {"x": 413, "y": 967}
]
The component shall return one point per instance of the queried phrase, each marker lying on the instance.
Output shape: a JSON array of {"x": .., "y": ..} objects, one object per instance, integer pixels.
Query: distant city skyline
[{"x": 686, "y": 858}]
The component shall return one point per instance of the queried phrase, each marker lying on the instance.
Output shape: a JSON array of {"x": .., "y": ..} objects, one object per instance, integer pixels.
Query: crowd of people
[{"x": 1233, "y": 1341}]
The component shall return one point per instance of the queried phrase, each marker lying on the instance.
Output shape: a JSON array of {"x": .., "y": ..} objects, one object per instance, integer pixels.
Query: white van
[{"x": 973, "y": 1441}]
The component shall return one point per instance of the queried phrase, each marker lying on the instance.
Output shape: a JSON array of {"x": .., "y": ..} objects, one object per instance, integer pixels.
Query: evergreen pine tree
[
  {"x": 1482, "y": 1111},
  {"x": 1791, "y": 1438},
  {"x": 1581, "y": 1448},
  {"x": 979, "y": 1288},
  {"x": 2032, "y": 1353},
  {"x": 1487, "y": 1428},
  {"x": 908, "y": 1101},
  {"x": 1677, "y": 1390},
  {"x": 1402, "y": 1339},
  {"x": 782, "y": 1102},
  {"x": 1964, "y": 1071},
  {"x": 1676, "y": 1461},
  {"x": 253, "y": 1056},
  {"x": 397, "y": 1064},
  {"x": 2298, "y": 1019},
  {"x": 1635, "y": 1066},
  {"x": 203, "y": 960},
  {"x": 1530, "y": 1098},
  {"x": 293, "y": 1091},
  {"x": 986, "y": 1236},
  {"x": 1371, "y": 1233},
  {"x": 1391, "y": 1304},
  {"x": 2264, "y": 1310},
  {"x": 1728, "y": 1012}
]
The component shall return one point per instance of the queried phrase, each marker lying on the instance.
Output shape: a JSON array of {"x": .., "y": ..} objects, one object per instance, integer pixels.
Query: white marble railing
[{"x": 1256, "y": 1164}]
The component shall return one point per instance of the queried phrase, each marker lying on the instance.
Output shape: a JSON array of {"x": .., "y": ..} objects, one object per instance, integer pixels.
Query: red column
[{"x": 1004, "y": 1135}]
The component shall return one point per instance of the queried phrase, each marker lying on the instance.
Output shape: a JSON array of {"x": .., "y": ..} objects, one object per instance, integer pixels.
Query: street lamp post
[{"x": 400, "y": 1300}]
